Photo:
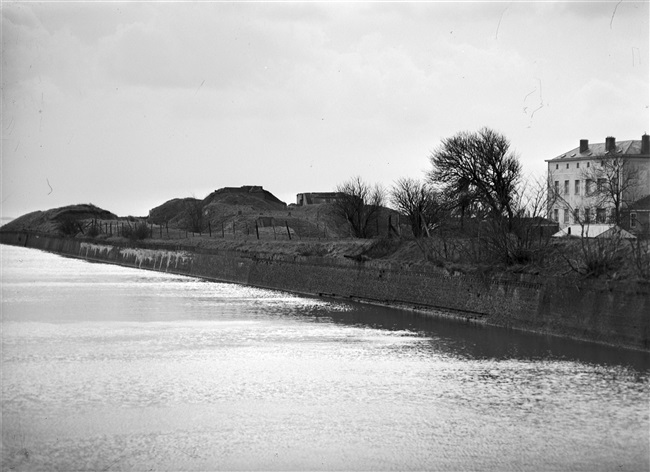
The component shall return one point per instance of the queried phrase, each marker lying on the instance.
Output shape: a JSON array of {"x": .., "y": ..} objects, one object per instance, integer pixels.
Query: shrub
[
  {"x": 640, "y": 253},
  {"x": 139, "y": 230},
  {"x": 517, "y": 242},
  {"x": 93, "y": 230},
  {"x": 381, "y": 247},
  {"x": 68, "y": 226},
  {"x": 598, "y": 257}
]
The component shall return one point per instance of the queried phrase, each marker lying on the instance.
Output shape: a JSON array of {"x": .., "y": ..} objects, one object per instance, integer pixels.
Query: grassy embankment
[{"x": 269, "y": 229}]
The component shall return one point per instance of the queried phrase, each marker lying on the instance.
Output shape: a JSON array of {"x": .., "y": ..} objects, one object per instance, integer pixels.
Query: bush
[
  {"x": 520, "y": 241},
  {"x": 640, "y": 253},
  {"x": 92, "y": 231},
  {"x": 68, "y": 226},
  {"x": 598, "y": 257},
  {"x": 381, "y": 247},
  {"x": 138, "y": 231}
]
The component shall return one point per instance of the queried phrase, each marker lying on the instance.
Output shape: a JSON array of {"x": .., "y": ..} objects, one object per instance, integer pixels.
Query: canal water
[{"x": 109, "y": 368}]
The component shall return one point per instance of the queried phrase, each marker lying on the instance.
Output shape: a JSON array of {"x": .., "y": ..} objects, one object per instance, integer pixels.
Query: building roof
[
  {"x": 593, "y": 231},
  {"x": 641, "y": 204},
  {"x": 597, "y": 150}
]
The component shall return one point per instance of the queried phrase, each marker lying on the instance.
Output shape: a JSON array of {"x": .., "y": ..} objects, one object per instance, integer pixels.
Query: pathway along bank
[{"x": 608, "y": 312}]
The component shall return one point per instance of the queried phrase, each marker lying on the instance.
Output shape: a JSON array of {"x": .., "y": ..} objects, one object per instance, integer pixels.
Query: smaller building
[
  {"x": 317, "y": 198},
  {"x": 636, "y": 218}
]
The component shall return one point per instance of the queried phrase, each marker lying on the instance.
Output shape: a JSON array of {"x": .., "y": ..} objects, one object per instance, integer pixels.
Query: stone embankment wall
[{"x": 613, "y": 313}]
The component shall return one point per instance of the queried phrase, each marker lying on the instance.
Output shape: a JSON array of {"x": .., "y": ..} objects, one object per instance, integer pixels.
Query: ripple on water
[{"x": 114, "y": 369}]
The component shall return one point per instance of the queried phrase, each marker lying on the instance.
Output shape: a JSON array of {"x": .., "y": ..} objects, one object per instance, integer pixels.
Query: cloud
[
  {"x": 183, "y": 46},
  {"x": 19, "y": 15},
  {"x": 298, "y": 97}
]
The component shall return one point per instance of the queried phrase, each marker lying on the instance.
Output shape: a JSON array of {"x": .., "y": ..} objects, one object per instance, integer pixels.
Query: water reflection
[
  {"x": 106, "y": 368},
  {"x": 470, "y": 340}
]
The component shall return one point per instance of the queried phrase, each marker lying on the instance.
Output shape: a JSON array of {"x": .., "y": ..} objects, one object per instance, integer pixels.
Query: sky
[{"x": 129, "y": 104}]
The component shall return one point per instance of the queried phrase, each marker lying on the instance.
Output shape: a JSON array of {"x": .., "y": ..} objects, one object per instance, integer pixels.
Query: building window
[
  {"x": 577, "y": 165},
  {"x": 557, "y": 187},
  {"x": 566, "y": 187},
  {"x": 557, "y": 166},
  {"x": 556, "y": 215},
  {"x": 566, "y": 216},
  {"x": 576, "y": 216},
  {"x": 587, "y": 215},
  {"x": 587, "y": 164},
  {"x": 601, "y": 215},
  {"x": 632, "y": 220},
  {"x": 589, "y": 186},
  {"x": 600, "y": 185},
  {"x": 577, "y": 187},
  {"x": 567, "y": 165}
]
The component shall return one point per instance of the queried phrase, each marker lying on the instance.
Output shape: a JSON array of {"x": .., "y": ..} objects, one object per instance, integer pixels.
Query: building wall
[
  {"x": 570, "y": 180},
  {"x": 316, "y": 198},
  {"x": 637, "y": 222}
]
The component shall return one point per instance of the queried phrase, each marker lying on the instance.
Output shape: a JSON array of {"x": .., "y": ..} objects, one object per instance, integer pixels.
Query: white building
[{"x": 595, "y": 183}]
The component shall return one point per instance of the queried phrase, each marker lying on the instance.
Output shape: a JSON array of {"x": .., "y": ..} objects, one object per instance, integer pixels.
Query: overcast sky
[{"x": 127, "y": 105}]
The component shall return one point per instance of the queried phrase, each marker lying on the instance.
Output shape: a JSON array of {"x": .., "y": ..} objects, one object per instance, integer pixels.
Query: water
[{"x": 107, "y": 368}]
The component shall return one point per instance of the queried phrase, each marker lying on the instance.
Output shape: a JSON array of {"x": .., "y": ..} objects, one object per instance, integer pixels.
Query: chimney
[
  {"x": 584, "y": 145},
  {"x": 645, "y": 144},
  {"x": 610, "y": 144}
]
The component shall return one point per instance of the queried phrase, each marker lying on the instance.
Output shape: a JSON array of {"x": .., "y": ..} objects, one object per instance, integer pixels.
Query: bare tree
[
  {"x": 418, "y": 201},
  {"x": 589, "y": 257},
  {"x": 529, "y": 233},
  {"x": 615, "y": 184},
  {"x": 478, "y": 169},
  {"x": 359, "y": 205},
  {"x": 193, "y": 214},
  {"x": 535, "y": 196}
]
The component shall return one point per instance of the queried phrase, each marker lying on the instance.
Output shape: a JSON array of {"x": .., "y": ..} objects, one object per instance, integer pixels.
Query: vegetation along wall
[{"x": 609, "y": 312}]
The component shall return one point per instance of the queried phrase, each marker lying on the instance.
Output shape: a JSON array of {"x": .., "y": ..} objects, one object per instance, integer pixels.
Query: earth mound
[
  {"x": 50, "y": 221},
  {"x": 172, "y": 210},
  {"x": 218, "y": 206},
  {"x": 252, "y": 195}
]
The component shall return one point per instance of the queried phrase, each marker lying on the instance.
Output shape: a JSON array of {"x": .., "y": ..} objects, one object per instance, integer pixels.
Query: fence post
[
  {"x": 257, "y": 230},
  {"x": 288, "y": 231},
  {"x": 210, "y": 229}
]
